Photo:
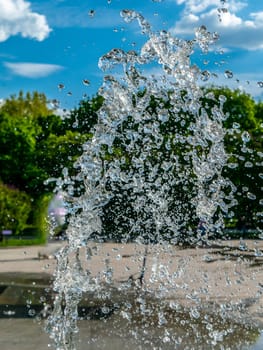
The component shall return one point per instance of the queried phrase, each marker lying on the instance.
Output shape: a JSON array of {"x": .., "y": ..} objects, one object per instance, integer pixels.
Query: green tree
[
  {"x": 17, "y": 145},
  {"x": 36, "y": 144},
  {"x": 84, "y": 117},
  {"x": 57, "y": 152},
  {"x": 15, "y": 208},
  {"x": 30, "y": 106},
  {"x": 243, "y": 143}
]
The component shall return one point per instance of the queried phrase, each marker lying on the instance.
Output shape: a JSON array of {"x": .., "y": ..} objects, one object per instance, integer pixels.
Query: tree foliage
[
  {"x": 36, "y": 144},
  {"x": 243, "y": 143},
  {"x": 15, "y": 208},
  {"x": 29, "y": 106}
]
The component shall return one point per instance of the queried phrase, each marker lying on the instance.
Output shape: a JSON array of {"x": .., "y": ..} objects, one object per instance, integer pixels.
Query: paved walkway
[
  {"x": 226, "y": 274},
  {"x": 223, "y": 273},
  {"x": 29, "y": 259}
]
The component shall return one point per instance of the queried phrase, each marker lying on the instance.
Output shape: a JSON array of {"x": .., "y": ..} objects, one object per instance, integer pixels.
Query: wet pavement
[
  {"x": 223, "y": 274},
  {"x": 28, "y": 334}
]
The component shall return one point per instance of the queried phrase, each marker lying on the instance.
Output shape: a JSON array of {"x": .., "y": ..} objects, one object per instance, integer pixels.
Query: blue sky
[{"x": 44, "y": 43}]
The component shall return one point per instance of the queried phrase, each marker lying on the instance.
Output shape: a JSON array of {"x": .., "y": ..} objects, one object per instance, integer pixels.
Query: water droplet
[
  {"x": 130, "y": 15},
  {"x": 245, "y": 137},
  {"x": 161, "y": 319},
  {"x": 248, "y": 165},
  {"x": 61, "y": 86},
  {"x": 258, "y": 252},
  {"x": 236, "y": 125},
  {"x": 55, "y": 103},
  {"x": 105, "y": 310},
  {"x": 31, "y": 312},
  {"x": 210, "y": 95},
  {"x": 232, "y": 165},
  {"x": 91, "y": 13},
  {"x": 215, "y": 36},
  {"x": 242, "y": 245},
  {"x": 86, "y": 82},
  {"x": 251, "y": 196},
  {"x": 228, "y": 74},
  {"x": 222, "y": 99},
  {"x": 125, "y": 315},
  {"x": 207, "y": 258},
  {"x": 166, "y": 338},
  {"x": 201, "y": 30},
  {"x": 195, "y": 313},
  {"x": 42, "y": 299},
  {"x": 205, "y": 75}
]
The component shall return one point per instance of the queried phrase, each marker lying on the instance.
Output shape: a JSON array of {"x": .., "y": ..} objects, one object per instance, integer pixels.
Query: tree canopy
[{"x": 36, "y": 144}]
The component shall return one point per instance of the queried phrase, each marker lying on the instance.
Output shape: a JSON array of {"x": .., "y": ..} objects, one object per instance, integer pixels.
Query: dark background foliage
[{"x": 37, "y": 144}]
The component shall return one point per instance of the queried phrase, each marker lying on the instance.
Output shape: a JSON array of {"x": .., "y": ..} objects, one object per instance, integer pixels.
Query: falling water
[{"x": 158, "y": 148}]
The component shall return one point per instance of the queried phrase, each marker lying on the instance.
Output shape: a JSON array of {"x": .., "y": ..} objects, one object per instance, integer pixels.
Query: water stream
[{"x": 154, "y": 166}]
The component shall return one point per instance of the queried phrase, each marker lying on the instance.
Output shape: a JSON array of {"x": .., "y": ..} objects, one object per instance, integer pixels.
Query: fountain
[{"x": 154, "y": 166}]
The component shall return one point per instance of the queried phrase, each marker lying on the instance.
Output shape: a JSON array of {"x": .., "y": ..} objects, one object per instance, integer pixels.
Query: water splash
[{"x": 156, "y": 142}]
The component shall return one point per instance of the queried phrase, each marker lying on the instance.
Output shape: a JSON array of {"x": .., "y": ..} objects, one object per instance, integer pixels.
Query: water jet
[{"x": 155, "y": 166}]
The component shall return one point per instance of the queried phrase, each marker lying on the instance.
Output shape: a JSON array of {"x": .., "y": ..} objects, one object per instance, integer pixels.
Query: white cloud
[
  {"x": 32, "y": 70},
  {"x": 234, "y": 30},
  {"x": 197, "y": 6},
  {"x": 16, "y": 17}
]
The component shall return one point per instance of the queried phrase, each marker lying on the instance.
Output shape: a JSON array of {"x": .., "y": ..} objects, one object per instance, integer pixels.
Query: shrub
[{"x": 15, "y": 208}]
